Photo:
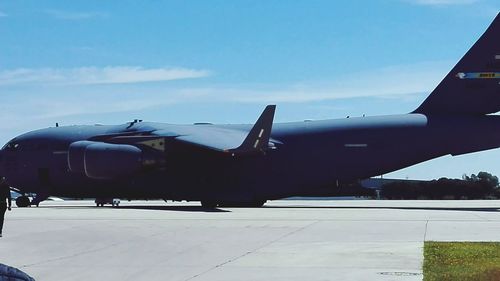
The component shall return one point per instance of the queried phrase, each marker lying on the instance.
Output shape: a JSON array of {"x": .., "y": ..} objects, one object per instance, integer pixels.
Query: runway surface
[{"x": 285, "y": 240}]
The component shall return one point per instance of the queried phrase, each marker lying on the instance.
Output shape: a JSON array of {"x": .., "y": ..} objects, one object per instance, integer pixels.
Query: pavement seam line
[
  {"x": 79, "y": 253},
  {"x": 252, "y": 251},
  {"x": 425, "y": 232},
  {"x": 68, "y": 256},
  {"x": 475, "y": 214}
]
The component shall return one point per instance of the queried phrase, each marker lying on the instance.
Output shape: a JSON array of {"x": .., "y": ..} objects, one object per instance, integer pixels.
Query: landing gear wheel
[
  {"x": 23, "y": 201},
  {"x": 208, "y": 204}
]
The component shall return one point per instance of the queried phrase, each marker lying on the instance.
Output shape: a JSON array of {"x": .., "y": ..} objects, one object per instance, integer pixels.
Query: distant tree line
[
  {"x": 481, "y": 186},
  {"x": 354, "y": 189}
]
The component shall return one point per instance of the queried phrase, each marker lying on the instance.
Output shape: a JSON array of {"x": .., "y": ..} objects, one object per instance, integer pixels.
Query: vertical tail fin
[{"x": 473, "y": 85}]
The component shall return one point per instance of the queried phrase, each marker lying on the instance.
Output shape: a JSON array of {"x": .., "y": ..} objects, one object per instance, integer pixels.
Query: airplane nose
[{"x": 2, "y": 161}]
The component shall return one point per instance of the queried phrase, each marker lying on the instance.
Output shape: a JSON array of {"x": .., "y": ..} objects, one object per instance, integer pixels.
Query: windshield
[{"x": 11, "y": 145}]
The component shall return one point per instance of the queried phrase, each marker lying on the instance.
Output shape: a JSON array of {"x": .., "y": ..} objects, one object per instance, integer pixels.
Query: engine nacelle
[
  {"x": 98, "y": 160},
  {"x": 76, "y": 156}
]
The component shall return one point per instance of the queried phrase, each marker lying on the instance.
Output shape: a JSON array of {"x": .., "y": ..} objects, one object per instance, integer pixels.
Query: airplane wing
[
  {"x": 231, "y": 140},
  {"x": 216, "y": 138}
]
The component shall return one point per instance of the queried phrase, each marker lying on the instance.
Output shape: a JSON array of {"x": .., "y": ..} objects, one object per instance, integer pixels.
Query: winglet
[{"x": 258, "y": 137}]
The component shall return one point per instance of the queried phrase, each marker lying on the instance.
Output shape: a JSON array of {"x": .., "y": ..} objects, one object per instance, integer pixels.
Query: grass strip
[{"x": 459, "y": 261}]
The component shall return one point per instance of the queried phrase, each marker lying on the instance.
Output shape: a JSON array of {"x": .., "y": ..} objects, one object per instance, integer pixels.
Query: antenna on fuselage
[{"x": 134, "y": 122}]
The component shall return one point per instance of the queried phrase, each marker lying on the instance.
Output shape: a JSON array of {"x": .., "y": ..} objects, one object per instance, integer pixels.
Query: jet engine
[{"x": 99, "y": 160}]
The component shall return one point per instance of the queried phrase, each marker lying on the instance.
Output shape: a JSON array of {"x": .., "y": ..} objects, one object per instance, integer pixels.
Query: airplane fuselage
[{"x": 307, "y": 158}]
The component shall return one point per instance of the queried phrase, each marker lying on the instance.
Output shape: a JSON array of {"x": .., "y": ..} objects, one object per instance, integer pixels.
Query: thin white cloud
[
  {"x": 388, "y": 82},
  {"x": 3, "y": 15},
  {"x": 71, "y": 15},
  {"x": 442, "y": 2},
  {"x": 80, "y": 96},
  {"x": 89, "y": 96},
  {"x": 97, "y": 75}
]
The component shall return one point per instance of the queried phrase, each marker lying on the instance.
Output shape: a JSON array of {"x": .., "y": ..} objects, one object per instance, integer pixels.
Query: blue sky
[{"x": 86, "y": 62}]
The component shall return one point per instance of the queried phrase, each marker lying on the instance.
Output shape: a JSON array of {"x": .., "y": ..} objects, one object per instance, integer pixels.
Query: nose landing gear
[{"x": 23, "y": 201}]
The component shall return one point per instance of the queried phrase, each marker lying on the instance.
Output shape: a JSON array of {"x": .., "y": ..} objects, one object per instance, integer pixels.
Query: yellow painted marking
[{"x": 158, "y": 144}]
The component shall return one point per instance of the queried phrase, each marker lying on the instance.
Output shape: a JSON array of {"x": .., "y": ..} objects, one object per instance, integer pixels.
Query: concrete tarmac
[{"x": 285, "y": 240}]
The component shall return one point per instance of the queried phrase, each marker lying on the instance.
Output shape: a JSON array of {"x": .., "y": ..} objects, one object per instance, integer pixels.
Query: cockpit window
[
  {"x": 34, "y": 145},
  {"x": 12, "y": 145}
]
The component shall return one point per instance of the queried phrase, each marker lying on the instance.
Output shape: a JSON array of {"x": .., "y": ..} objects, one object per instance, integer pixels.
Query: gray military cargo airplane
[{"x": 249, "y": 164}]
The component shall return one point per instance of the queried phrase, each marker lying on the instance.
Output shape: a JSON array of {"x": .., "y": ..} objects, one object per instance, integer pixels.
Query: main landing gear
[{"x": 23, "y": 201}]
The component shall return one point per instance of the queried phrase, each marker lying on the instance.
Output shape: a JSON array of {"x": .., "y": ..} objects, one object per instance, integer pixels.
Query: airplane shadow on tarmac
[
  {"x": 152, "y": 208},
  {"x": 225, "y": 210},
  {"x": 176, "y": 208}
]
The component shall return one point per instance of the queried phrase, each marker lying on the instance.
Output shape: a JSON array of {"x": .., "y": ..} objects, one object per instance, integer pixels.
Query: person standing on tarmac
[{"x": 4, "y": 196}]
